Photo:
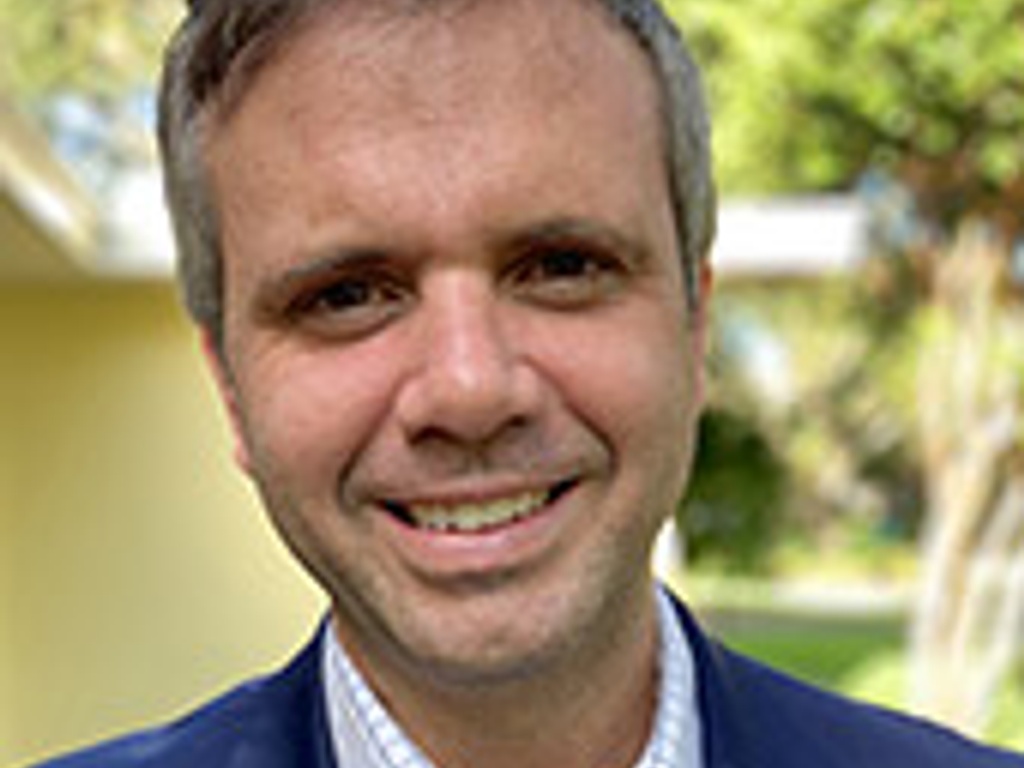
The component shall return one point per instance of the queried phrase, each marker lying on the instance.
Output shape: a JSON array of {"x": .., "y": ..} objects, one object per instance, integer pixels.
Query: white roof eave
[{"x": 50, "y": 225}]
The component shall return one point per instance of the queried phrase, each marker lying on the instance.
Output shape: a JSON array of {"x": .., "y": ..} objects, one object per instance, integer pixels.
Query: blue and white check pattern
[{"x": 364, "y": 735}]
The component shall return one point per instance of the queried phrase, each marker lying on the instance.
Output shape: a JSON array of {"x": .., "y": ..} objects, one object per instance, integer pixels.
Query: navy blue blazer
[{"x": 752, "y": 717}]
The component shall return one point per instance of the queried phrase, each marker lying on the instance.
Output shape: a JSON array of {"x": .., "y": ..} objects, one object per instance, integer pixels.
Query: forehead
[
  {"x": 440, "y": 86},
  {"x": 411, "y": 52},
  {"x": 360, "y": 28}
]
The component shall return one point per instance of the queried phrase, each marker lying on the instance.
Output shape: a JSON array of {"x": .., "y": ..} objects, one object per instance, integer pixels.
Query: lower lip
[{"x": 487, "y": 552}]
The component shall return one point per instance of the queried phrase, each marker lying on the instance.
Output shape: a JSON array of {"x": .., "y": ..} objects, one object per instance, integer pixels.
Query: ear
[
  {"x": 217, "y": 365},
  {"x": 707, "y": 282}
]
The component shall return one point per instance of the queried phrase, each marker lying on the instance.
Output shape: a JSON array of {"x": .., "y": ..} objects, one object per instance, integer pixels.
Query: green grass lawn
[{"x": 822, "y": 651}]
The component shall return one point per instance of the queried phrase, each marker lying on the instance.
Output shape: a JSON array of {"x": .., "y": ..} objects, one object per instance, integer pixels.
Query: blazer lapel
[{"x": 291, "y": 721}]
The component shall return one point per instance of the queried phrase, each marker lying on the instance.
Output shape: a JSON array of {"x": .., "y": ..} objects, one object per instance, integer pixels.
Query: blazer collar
[
  {"x": 718, "y": 705},
  {"x": 300, "y": 734}
]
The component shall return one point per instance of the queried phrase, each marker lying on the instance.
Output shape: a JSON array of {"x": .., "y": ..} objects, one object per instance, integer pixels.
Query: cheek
[
  {"x": 635, "y": 383},
  {"x": 307, "y": 418}
]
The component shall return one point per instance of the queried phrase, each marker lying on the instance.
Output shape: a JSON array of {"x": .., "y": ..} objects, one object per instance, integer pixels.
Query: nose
[{"x": 472, "y": 381}]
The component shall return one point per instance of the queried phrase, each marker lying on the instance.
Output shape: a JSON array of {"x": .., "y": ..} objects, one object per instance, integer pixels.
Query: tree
[
  {"x": 731, "y": 511},
  {"x": 100, "y": 48},
  {"x": 84, "y": 70},
  {"x": 816, "y": 94}
]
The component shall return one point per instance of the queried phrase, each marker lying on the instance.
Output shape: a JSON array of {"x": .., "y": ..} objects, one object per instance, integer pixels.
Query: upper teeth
[{"x": 476, "y": 516}]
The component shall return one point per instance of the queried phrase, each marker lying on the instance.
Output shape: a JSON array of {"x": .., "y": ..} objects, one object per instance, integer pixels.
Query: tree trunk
[{"x": 969, "y": 617}]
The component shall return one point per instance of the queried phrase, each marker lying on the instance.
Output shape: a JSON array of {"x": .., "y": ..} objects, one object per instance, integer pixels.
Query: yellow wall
[{"x": 138, "y": 574}]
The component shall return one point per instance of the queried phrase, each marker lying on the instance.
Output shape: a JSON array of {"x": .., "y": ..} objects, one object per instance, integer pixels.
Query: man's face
[{"x": 456, "y": 342}]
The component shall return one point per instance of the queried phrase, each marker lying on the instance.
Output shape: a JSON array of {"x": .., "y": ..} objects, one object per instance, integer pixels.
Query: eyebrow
[
  {"x": 274, "y": 291},
  {"x": 571, "y": 228}
]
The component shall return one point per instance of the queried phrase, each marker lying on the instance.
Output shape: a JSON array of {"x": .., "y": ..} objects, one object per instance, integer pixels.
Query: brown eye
[
  {"x": 349, "y": 305},
  {"x": 564, "y": 264},
  {"x": 344, "y": 295},
  {"x": 567, "y": 276}
]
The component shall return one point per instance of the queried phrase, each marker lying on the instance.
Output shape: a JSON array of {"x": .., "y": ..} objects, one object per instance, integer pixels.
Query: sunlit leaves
[
  {"x": 809, "y": 93},
  {"x": 99, "y": 47}
]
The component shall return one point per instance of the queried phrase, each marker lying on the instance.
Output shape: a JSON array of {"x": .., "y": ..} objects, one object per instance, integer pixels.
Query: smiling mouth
[{"x": 477, "y": 517}]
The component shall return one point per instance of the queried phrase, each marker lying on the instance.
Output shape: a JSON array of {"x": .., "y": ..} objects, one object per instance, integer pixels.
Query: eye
[
  {"x": 345, "y": 296},
  {"x": 349, "y": 305},
  {"x": 565, "y": 264},
  {"x": 567, "y": 275}
]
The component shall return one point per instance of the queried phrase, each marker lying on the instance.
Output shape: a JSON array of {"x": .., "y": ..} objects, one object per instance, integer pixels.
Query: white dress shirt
[{"x": 364, "y": 735}]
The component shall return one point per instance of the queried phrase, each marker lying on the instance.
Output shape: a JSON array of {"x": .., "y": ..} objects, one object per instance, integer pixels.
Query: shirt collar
[{"x": 364, "y": 734}]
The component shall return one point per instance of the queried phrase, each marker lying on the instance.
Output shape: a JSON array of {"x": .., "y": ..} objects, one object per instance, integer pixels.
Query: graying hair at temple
[{"x": 221, "y": 45}]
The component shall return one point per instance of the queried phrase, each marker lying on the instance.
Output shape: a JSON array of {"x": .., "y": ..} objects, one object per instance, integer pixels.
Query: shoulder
[
  {"x": 756, "y": 716},
  {"x": 271, "y": 721}
]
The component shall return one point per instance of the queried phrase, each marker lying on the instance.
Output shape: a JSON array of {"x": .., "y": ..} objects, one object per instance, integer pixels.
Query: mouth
[{"x": 475, "y": 517}]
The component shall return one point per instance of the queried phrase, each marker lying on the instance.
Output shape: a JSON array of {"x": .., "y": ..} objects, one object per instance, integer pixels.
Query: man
[{"x": 447, "y": 257}]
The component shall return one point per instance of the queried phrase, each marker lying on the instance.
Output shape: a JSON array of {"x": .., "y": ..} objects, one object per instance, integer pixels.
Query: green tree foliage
[
  {"x": 811, "y": 93},
  {"x": 810, "y": 450},
  {"x": 83, "y": 70},
  {"x": 100, "y": 48},
  {"x": 822, "y": 94},
  {"x": 733, "y": 508}
]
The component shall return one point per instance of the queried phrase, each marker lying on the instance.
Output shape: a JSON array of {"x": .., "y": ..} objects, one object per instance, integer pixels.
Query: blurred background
[{"x": 857, "y": 515}]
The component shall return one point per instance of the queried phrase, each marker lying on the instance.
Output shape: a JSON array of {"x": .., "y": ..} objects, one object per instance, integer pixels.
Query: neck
[{"x": 593, "y": 708}]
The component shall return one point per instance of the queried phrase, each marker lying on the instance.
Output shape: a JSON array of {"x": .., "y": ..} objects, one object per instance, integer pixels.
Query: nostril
[{"x": 440, "y": 409}]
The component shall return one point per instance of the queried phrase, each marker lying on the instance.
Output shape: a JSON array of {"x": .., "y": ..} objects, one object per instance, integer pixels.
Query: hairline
[{"x": 197, "y": 228}]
